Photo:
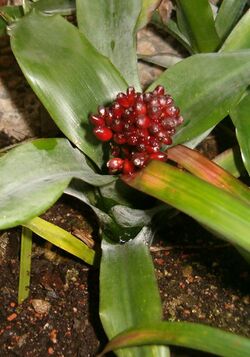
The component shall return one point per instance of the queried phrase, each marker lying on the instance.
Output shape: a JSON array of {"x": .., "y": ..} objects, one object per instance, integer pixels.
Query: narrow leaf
[
  {"x": 147, "y": 9},
  {"x": 69, "y": 76},
  {"x": 165, "y": 60},
  {"x": 207, "y": 170},
  {"x": 228, "y": 14},
  {"x": 206, "y": 87},
  {"x": 61, "y": 239},
  {"x": 185, "y": 334},
  {"x": 33, "y": 176},
  {"x": 128, "y": 290},
  {"x": 231, "y": 161},
  {"x": 110, "y": 27},
  {"x": 62, "y": 7},
  {"x": 241, "y": 119},
  {"x": 211, "y": 206},
  {"x": 239, "y": 38},
  {"x": 25, "y": 265},
  {"x": 201, "y": 29}
]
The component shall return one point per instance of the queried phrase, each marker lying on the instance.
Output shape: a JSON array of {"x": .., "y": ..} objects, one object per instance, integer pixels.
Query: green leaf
[
  {"x": 211, "y": 206},
  {"x": 171, "y": 27},
  {"x": 51, "y": 7},
  {"x": 241, "y": 119},
  {"x": 200, "y": 28},
  {"x": 147, "y": 9},
  {"x": 185, "y": 334},
  {"x": 25, "y": 265},
  {"x": 207, "y": 170},
  {"x": 239, "y": 38},
  {"x": 61, "y": 239},
  {"x": 165, "y": 60},
  {"x": 231, "y": 161},
  {"x": 69, "y": 76},
  {"x": 110, "y": 27},
  {"x": 228, "y": 14},
  {"x": 128, "y": 290},
  {"x": 7, "y": 15},
  {"x": 206, "y": 87},
  {"x": 33, "y": 176}
]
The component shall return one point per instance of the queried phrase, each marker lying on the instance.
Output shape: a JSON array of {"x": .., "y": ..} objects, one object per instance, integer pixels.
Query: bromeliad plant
[{"x": 87, "y": 79}]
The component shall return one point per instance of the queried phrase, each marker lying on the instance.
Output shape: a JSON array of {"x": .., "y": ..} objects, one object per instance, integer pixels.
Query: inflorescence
[{"x": 138, "y": 126}]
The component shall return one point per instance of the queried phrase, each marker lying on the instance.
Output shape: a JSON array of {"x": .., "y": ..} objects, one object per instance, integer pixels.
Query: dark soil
[{"x": 201, "y": 279}]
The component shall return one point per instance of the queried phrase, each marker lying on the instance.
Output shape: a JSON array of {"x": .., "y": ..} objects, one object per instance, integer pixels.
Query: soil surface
[{"x": 200, "y": 278}]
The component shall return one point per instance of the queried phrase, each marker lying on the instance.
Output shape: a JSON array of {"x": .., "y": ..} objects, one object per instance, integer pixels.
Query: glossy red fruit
[
  {"x": 123, "y": 100},
  {"x": 140, "y": 159},
  {"x": 161, "y": 156},
  {"x": 97, "y": 120},
  {"x": 120, "y": 139},
  {"x": 128, "y": 167},
  {"x": 142, "y": 121},
  {"x": 159, "y": 90},
  {"x": 115, "y": 165},
  {"x": 103, "y": 133}
]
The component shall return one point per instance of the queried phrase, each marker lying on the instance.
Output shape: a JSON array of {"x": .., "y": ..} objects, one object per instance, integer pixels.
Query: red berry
[
  {"x": 161, "y": 156},
  {"x": 159, "y": 90},
  {"x": 103, "y": 133},
  {"x": 119, "y": 139},
  {"x": 122, "y": 100},
  {"x": 117, "y": 125},
  {"x": 142, "y": 121},
  {"x": 140, "y": 159},
  {"x": 117, "y": 110},
  {"x": 96, "y": 120},
  {"x": 101, "y": 110},
  {"x": 128, "y": 167},
  {"x": 114, "y": 165},
  {"x": 140, "y": 108}
]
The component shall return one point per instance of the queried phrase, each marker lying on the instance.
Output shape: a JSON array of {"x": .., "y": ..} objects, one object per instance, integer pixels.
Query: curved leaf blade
[
  {"x": 239, "y": 38},
  {"x": 185, "y": 334},
  {"x": 228, "y": 14},
  {"x": 213, "y": 207},
  {"x": 128, "y": 290},
  {"x": 68, "y": 75},
  {"x": 110, "y": 27},
  {"x": 33, "y": 176},
  {"x": 241, "y": 119},
  {"x": 201, "y": 29},
  {"x": 206, "y": 87},
  {"x": 61, "y": 239}
]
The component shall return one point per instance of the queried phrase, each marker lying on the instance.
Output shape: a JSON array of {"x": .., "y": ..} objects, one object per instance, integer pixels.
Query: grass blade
[
  {"x": 61, "y": 239},
  {"x": 185, "y": 334},
  {"x": 25, "y": 264}
]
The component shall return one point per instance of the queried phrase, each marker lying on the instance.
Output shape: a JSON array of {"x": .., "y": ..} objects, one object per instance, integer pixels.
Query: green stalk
[{"x": 25, "y": 264}]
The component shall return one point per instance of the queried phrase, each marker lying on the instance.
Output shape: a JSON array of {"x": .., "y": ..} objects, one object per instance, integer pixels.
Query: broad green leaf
[
  {"x": 185, "y": 334},
  {"x": 213, "y": 207},
  {"x": 61, "y": 239},
  {"x": 200, "y": 28},
  {"x": 62, "y": 7},
  {"x": 25, "y": 265},
  {"x": 128, "y": 290},
  {"x": 34, "y": 175},
  {"x": 110, "y": 27},
  {"x": 228, "y": 14},
  {"x": 240, "y": 116},
  {"x": 206, "y": 87},
  {"x": 239, "y": 38},
  {"x": 68, "y": 75},
  {"x": 207, "y": 170}
]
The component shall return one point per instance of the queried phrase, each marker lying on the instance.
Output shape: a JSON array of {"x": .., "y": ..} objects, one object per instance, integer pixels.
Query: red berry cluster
[{"x": 138, "y": 126}]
